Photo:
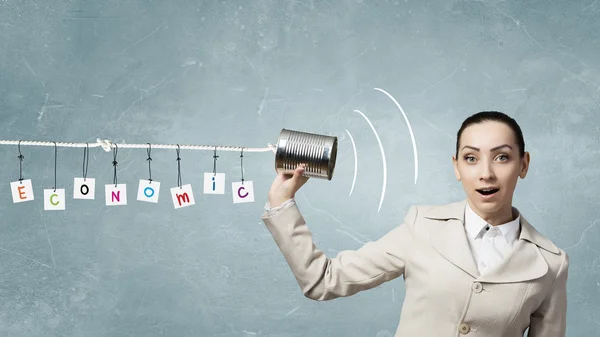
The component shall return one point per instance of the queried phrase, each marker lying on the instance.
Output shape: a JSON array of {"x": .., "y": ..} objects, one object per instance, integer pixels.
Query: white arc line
[
  {"x": 382, "y": 158},
  {"x": 412, "y": 136},
  {"x": 355, "y": 162}
]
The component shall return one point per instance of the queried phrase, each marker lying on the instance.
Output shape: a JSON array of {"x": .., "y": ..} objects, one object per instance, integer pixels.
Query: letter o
[{"x": 146, "y": 192}]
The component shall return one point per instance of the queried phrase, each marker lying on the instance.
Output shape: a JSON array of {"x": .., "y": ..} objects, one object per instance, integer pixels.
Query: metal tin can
[{"x": 318, "y": 152}]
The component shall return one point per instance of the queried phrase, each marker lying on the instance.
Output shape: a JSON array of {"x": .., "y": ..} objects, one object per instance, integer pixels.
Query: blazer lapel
[
  {"x": 523, "y": 262},
  {"x": 450, "y": 240}
]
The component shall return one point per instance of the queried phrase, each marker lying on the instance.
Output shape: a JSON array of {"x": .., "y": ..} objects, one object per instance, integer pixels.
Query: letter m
[{"x": 183, "y": 197}]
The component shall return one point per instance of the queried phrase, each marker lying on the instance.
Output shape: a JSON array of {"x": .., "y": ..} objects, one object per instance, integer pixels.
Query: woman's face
[{"x": 488, "y": 157}]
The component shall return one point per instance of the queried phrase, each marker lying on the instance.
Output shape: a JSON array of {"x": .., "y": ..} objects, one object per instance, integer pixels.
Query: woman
[{"x": 474, "y": 267}]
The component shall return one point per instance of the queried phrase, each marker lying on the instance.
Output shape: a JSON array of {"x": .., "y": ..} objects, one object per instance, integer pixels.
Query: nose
[{"x": 487, "y": 172}]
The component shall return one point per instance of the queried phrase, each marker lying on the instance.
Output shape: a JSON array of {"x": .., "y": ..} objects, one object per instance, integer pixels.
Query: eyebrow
[{"x": 491, "y": 150}]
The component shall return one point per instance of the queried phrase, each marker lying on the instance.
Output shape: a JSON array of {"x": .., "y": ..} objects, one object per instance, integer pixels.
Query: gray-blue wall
[{"x": 236, "y": 73}]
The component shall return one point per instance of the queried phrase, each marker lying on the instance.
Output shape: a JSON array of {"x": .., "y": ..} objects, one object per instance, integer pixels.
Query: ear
[
  {"x": 456, "y": 172},
  {"x": 524, "y": 165}
]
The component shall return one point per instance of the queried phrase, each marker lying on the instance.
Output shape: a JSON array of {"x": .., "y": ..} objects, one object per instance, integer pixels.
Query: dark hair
[{"x": 495, "y": 116}]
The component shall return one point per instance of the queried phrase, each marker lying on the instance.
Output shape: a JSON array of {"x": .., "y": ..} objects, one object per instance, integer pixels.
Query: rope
[{"x": 107, "y": 145}]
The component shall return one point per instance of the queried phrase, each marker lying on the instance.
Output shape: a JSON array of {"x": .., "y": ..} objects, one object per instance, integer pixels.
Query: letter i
[{"x": 214, "y": 183}]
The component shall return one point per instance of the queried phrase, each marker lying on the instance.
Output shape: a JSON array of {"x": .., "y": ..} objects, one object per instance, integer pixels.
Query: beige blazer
[{"x": 445, "y": 294}]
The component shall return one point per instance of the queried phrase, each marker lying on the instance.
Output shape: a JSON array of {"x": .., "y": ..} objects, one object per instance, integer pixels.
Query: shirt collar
[{"x": 474, "y": 225}]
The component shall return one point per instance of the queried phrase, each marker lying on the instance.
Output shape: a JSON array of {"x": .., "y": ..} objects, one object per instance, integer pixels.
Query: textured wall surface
[{"x": 236, "y": 73}]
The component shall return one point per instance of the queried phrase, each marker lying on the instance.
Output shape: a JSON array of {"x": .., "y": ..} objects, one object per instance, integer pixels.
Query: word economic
[{"x": 148, "y": 191}]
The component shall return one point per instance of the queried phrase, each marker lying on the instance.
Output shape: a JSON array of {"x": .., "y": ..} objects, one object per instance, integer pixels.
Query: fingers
[
  {"x": 299, "y": 171},
  {"x": 286, "y": 185},
  {"x": 298, "y": 175}
]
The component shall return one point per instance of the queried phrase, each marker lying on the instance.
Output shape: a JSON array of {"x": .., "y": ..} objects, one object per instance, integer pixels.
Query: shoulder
[
  {"x": 558, "y": 264},
  {"x": 425, "y": 219},
  {"x": 422, "y": 212},
  {"x": 557, "y": 258}
]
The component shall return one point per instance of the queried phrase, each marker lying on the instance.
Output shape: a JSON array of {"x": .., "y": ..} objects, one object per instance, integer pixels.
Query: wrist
[{"x": 278, "y": 200}]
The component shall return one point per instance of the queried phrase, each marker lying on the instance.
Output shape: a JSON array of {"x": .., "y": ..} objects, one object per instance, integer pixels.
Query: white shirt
[{"x": 489, "y": 244}]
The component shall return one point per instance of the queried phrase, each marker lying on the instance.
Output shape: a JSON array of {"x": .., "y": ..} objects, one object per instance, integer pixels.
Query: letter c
[
  {"x": 239, "y": 190},
  {"x": 52, "y": 201}
]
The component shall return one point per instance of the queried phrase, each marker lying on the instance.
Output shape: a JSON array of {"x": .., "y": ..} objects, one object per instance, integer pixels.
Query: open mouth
[{"x": 487, "y": 192}]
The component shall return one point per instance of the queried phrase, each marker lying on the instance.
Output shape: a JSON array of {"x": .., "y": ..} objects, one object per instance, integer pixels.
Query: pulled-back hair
[{"x": 495, "y": 116}]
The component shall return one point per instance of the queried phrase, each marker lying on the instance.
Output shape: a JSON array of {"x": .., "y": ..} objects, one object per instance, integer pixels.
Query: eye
[{"x": 469, "y": 157}]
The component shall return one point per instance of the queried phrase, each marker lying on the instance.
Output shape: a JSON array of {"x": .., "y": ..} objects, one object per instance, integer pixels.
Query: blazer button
[
  {"x": 477, "y": 287},
  {"x": 464, "y": 328}
]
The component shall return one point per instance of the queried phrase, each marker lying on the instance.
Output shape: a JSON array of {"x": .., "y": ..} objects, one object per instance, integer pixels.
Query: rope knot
[{"x": 105, "y": 144}]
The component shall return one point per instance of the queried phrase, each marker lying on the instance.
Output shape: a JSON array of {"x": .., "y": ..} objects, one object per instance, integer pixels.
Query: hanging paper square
[
  {"x": 214, "y": 183},
  {"x": 242, "y": 192},
  {"x": 21, "y": 190},
  {"x": 54, "y": 200},
  {"x": 84, "y": 188},
  {"x": 116, "y": 195},
  {"x": 148, "y": 191},
  {"x": 182, "y": 196}
]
